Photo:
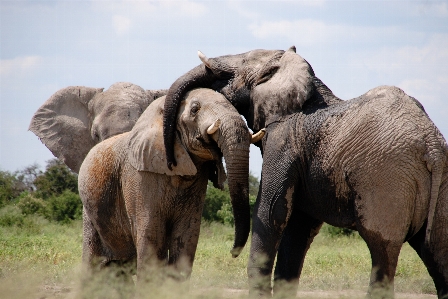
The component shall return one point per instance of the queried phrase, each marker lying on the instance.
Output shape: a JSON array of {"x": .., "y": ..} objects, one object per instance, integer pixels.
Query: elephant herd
[{"x": 376, "y": 164}]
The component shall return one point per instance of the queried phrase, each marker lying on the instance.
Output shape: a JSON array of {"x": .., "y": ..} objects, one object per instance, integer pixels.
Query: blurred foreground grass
[{"x": 42, "y": 260}]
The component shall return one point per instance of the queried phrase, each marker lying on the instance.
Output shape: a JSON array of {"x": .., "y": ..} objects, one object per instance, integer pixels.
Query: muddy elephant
[
  {"x": 138, "y": 209},
  {"x": 267, "y": 86},
  {"x": 76, "y": 118}
]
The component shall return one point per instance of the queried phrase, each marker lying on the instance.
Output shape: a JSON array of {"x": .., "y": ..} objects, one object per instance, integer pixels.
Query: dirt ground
[{"x": 48, "y": 292}]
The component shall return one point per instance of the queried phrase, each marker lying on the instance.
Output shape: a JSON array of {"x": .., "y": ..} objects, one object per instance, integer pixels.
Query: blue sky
[{"x": 353, "y": 46}]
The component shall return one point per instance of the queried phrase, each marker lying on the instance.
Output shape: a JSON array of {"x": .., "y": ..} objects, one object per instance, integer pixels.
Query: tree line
[{"x": 53, "y": 194}]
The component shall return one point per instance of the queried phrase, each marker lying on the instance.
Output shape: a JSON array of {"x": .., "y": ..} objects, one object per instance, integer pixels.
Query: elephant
[
  {"x": 76, "y": 118},
  {"x": 136, "y": 209},
  {"x": 268, "y": 87}
]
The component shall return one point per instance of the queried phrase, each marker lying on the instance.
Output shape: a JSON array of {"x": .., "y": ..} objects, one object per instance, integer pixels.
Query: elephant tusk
[
  {"x": 204, "y": 59},
  {"x": 214, "y": 127},
  {"x": 257, "y": 136}
]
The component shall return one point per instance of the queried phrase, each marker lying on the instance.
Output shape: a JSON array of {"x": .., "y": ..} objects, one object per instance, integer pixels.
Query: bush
[
  {"x": 225, "y": 214},
  {"x": 29, "y": 204},
  {"x": 9, "y": 188},
  {"x": 56, "y": 178},
  {"x": 334, "y": 231},
  {"x": 11, "y": 215},
  {"x": 65, "y": 207},
  {"x": 214, "y": 200},
  {"x": 218, "y": 205}
]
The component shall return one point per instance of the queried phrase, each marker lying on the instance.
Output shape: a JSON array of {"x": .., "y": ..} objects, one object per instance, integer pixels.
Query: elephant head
[
  {"x": 208, "y": 128},
  {"x": 261, "y": 84},
  {"x": 76, "y": 118}
]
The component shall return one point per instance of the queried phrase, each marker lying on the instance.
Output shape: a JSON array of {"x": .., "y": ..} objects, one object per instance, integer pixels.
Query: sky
[{"x": 353, "y": 46}]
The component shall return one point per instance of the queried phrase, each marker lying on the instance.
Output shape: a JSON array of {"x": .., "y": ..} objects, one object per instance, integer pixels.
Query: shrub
[
  {"x": 65, "y": 207},
  {"x": 334, "y": 231},
  {"x": 214, "y": 200},
  {"x": 225, "y": 214},
  {"x": 218, "y": 206},
  {"x": 11, "y": 215},
  {"x": 29, "y": 204},
  {"x": 56, "y": 178},
  {"x": 9, "y": 188}
]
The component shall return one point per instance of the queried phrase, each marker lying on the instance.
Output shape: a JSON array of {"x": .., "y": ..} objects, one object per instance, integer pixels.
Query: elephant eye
[{"x": 195, "y": 108}]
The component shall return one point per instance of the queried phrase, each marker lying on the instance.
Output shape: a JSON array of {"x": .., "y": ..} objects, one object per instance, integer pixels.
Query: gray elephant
[
  {"x": 76, "y": 118},
  {"x": 136, "y": 208},
  {"x": 318, "y": 179}
]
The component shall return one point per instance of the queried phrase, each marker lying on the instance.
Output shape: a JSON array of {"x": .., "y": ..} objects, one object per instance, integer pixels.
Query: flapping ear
[
  {"x": 62, "y": 123},
  {"x": 146, "y": 147}
]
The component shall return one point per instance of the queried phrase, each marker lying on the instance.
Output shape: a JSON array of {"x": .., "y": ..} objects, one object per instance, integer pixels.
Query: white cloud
[
  {"x": 427, "y": 59},
  {"x": 148, "y": 9},
  {"x": 19, "y": 65},
  {"x": 433, "y": 8},
  {"x": 121, "y": 25},
  {"x": 309, "y": 32}
]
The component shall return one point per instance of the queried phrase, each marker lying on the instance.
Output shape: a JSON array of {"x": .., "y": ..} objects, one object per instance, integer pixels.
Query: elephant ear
[
  {"x": 62, "y": 123},
  {"x": 146, "y": 146}
]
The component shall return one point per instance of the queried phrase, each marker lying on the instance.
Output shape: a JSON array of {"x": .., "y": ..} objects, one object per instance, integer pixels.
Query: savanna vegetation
[{"x": 41, "y": 248}]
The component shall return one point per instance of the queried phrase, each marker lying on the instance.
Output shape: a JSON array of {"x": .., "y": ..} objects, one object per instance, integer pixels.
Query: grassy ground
[{"x": 42, "y": 260}]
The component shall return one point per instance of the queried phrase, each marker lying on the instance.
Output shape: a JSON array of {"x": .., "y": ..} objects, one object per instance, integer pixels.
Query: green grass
[{"x": 42, "y": 259}]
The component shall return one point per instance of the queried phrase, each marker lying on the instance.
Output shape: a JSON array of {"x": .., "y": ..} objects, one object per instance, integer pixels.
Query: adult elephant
[
  {"x": 265, "y": 86},
  {"x": 76, "y": 118},
  {"x": 136, "y": 208}
]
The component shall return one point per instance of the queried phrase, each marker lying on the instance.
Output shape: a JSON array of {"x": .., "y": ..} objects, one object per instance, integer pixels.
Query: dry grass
[{"x": 42, "y": 260}]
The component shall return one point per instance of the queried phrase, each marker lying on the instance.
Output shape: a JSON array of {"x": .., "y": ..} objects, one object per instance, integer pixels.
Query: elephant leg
[
  {"x": 384, "y": 254},
  {"x": 92, "y": 247},
  {"x": 183, "y": 244},
  {"x": 269, "y": 220},
  {"x": 152, "y": 252},
  {"x": 435, "y": 254},
  {"x": 296, "y": 240},
  {"x": 438, "y": 269}
]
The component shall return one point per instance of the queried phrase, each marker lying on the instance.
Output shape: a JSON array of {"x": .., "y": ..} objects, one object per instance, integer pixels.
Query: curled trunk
[{"x": 200, "y": 76}]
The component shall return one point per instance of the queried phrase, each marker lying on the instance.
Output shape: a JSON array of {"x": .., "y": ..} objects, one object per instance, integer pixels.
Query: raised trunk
[
  {"x": 200, "y": 76},
  {"x": 234, "y": 142}
]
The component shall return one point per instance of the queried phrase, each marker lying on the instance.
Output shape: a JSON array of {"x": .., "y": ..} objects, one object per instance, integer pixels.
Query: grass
[{"x": 41, "y": 259}]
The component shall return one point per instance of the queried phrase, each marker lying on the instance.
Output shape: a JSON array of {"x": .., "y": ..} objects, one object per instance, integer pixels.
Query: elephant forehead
[
  {"x": 203, "y": 94},
  {"x": 259, "y": 55}
]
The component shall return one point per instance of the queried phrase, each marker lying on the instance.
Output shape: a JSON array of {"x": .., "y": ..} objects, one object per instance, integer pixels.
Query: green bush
[
  {"x": 29, "y": 204},
  {"x": 214, "y": 200},
  {"x": 9, "y": 188},
  {"x": 334, "y": 231},
  {"x": 65, "y": 207},
  {"x": 218, "y": 206},
  {"x": 56, "y": 178},
  {"x": 11, "y": 215},
  {"x": 225, "y": 214}
]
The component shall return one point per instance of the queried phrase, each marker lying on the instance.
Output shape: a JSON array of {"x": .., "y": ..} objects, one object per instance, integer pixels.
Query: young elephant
[{"x": 136, "y": 208}]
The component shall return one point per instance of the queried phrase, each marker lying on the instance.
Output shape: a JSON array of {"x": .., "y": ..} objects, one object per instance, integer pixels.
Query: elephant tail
[{"x": 436, "y": 160}]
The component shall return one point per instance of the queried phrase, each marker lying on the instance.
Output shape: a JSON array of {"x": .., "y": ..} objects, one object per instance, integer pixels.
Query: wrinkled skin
[
  {"x": 76, "y": 118},
  {"x": 135, "y": 208},
  {"x": 376, "y": 164},
  {"x": 265, "y": 87}
]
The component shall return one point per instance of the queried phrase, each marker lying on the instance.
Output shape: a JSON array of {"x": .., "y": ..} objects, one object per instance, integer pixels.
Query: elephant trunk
[
  {"x": 200, "y": 76},
  {"x": 234, "y": 142}
]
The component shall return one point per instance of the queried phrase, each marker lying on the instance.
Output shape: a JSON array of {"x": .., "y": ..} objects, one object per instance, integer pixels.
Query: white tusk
[
  {"x": 214, "y": 127},
  {"x": 257, "y": 136},
  {"x": 204, "y": 59}
]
